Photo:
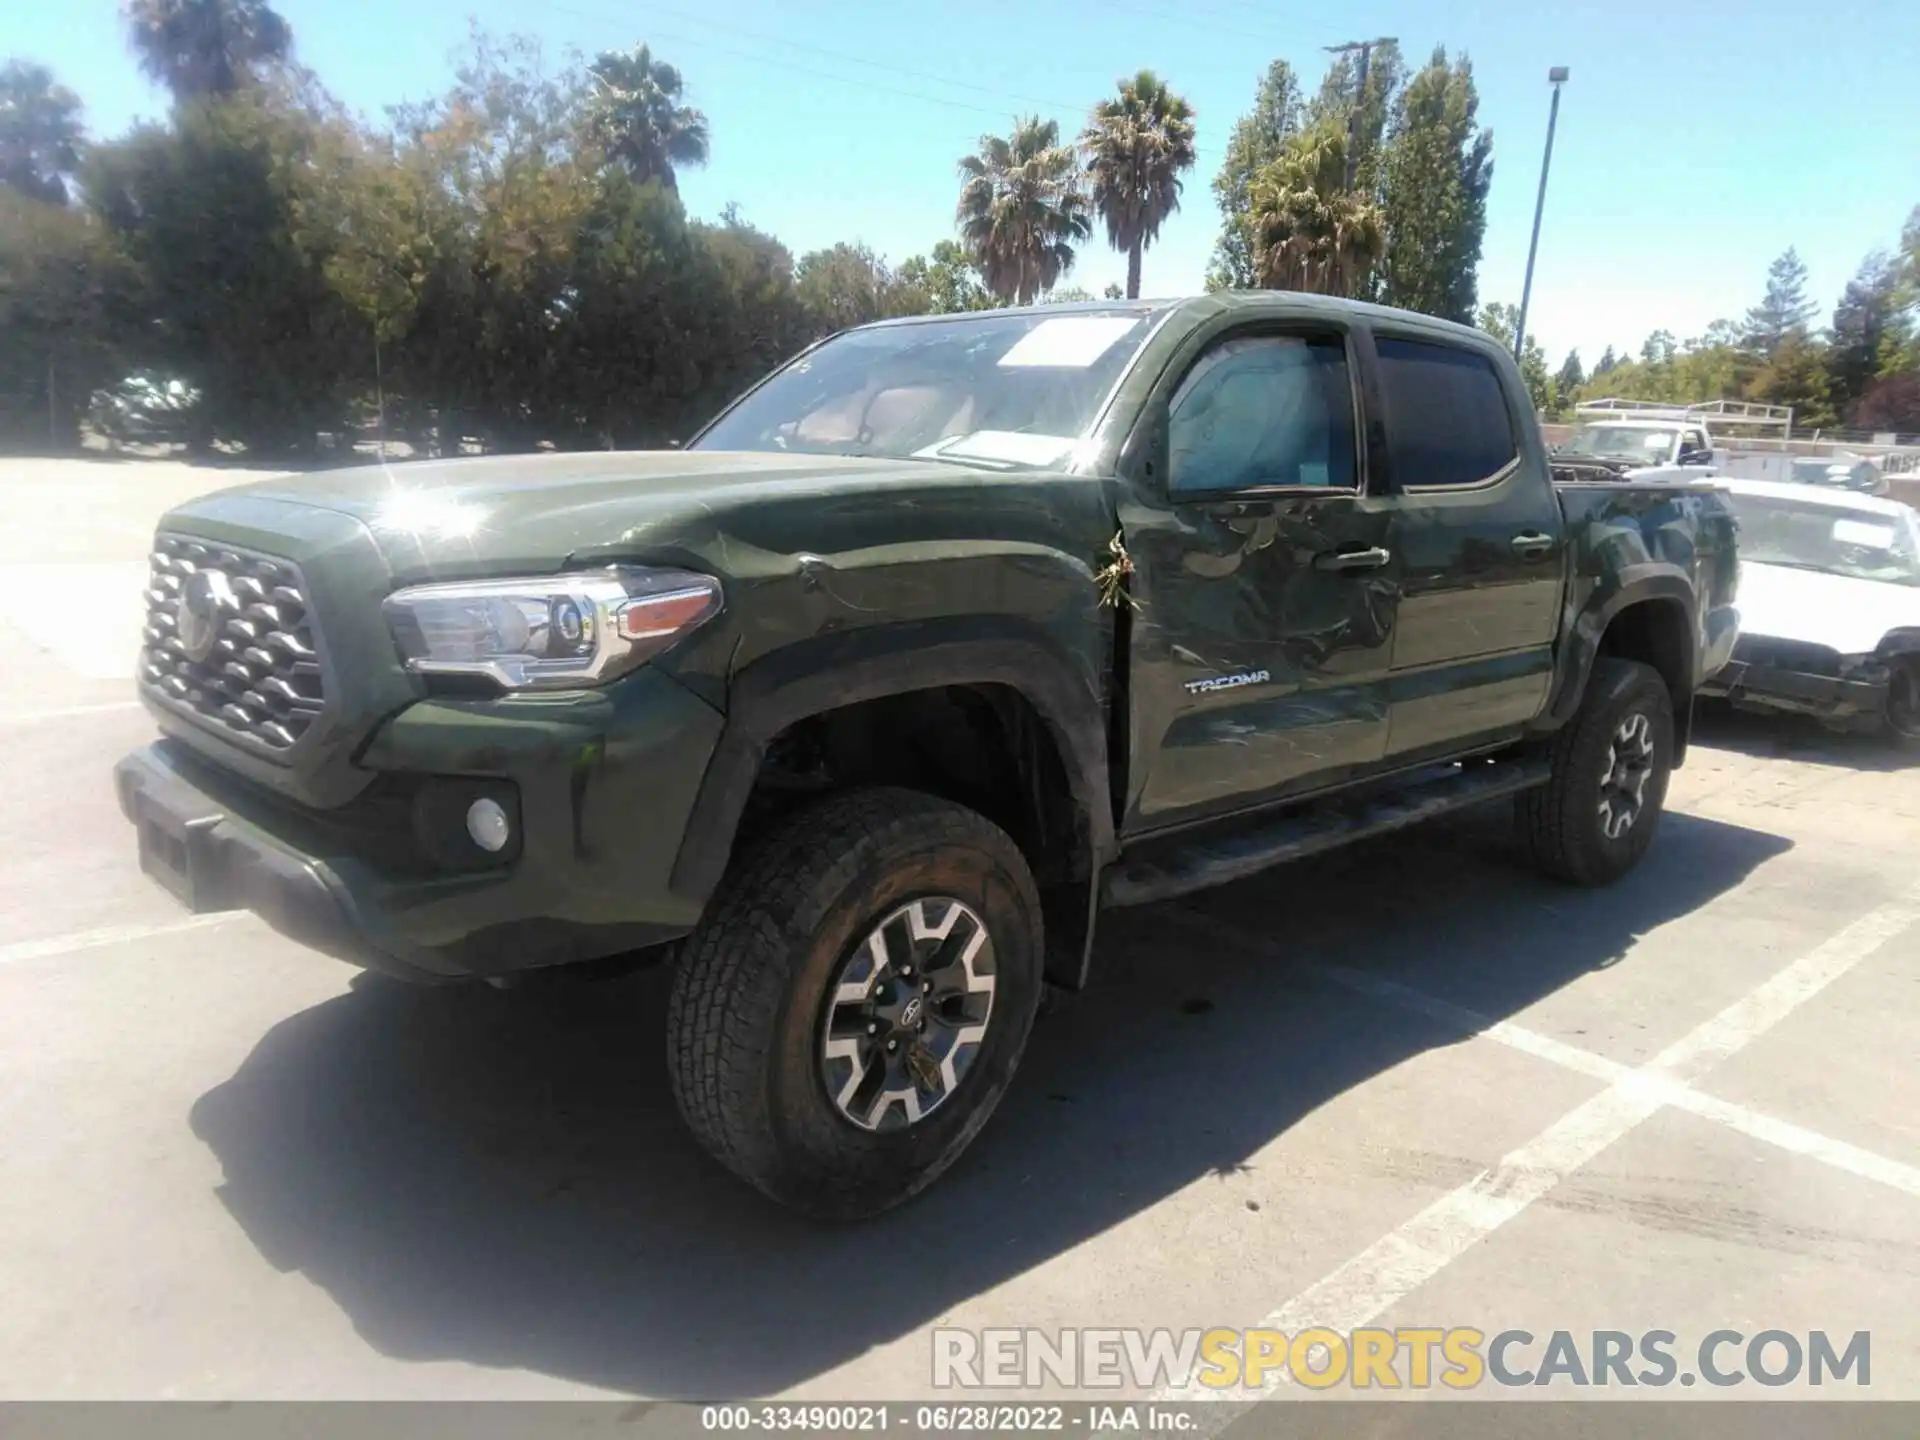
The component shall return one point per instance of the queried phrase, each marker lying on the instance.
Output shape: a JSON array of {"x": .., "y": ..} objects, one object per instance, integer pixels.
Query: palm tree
[
  {"x": 206, "y": 47},
  {"x": 1136, "y": 146},
  {"x": 1021, "y": 209},
  {"x": 637, "y": 117},
  {"x": 40, "y": 132},
  {"x": 1310, "y": 232}
]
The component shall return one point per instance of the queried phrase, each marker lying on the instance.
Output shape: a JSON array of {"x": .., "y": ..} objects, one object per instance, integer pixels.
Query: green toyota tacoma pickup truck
[{"x": 950, "y": 635}]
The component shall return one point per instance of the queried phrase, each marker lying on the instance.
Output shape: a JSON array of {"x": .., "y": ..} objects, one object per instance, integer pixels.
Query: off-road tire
[
  {"x": 747, "y": 1006},
  {"x": 1559, "y": 823}
]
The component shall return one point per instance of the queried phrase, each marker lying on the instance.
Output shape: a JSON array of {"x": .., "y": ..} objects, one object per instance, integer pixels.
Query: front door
[{"x": 1265, "y": 592}]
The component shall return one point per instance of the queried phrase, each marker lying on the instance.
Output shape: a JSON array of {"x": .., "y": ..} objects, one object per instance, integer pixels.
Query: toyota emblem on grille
[{"x": 206, "y": 600}]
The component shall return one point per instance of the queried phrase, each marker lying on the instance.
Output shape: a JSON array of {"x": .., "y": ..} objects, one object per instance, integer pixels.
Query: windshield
[
  {"x": 1621, "y": 442},
  {"x": 1009, "y": 391},
  {"x": 1860, "y": 544}
]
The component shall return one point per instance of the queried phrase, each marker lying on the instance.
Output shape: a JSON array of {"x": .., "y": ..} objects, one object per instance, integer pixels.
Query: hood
[
  {"x": 1852, "y": 616},
  {"x": 534, "y": 513}
]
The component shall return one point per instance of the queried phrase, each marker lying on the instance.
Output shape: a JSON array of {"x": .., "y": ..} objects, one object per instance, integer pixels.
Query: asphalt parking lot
[{"x": 1408, "y": 1084}]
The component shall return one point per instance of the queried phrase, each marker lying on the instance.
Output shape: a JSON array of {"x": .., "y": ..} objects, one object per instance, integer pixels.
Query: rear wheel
[
  {"x": 1594, "y": 819},
  {"x": 852, "y": 1009}
]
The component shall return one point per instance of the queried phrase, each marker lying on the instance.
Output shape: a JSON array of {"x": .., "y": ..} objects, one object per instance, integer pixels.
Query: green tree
[
  {"x": 505, "y": 192},
  {"x": 1435, "y": 171},
  {"x": 759, "y": 318},
  {"x": 1796, "y": 375},
  {"x": 1784, "y": 309},
  {"x": 207, "y": 47},
  {"x": 1138, "y": 145},
  {"x": 1256, "y": 142},
  {"x": 1022, "y": 210},
  {"x": 1900, "y": 356},
  {"x": 240, "y": 300},
  {"x": 1608, "y": 361},
  {"x": 1311, "y": 233},
  {"x": 69, "y": 309},
  {"x": 1892, "y": 405},
  {"x": 637, "y": 117},
  {"x": 948, "y": 280},
  {"x": 1867, "y": 327},
  {"x": 846, "y": 285},
  {"x": 40, "y": 132},
  {"x": 1696, "y": 370},
  {"x": 1500, "y": 321},
  {"x": 1567, "y": 381},
  {"x": 1365, "y": 118}
]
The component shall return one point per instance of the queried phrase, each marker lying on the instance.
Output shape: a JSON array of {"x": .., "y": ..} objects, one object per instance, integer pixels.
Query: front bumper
[
  {"x": 601, "y": 787},
  {"x": 1855, "y": 699}
]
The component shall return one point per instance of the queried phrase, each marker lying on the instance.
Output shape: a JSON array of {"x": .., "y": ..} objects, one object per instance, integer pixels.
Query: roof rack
[{"x": 1727, "y": 412}]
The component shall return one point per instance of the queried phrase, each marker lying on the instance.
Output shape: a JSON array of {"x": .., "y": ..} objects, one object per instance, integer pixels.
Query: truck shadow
[
  {"x": 502, "y": 1180},
  {"x": 1796, "y": 737}
]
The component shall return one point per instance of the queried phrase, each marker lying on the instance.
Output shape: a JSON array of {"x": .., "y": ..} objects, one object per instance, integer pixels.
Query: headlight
[{"x": 553, "y": 632}]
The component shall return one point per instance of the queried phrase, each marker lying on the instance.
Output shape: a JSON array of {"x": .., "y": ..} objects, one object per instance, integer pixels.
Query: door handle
[
  {"x": 1532, "y": 545},
  {"x": 1347, "y": 560}
]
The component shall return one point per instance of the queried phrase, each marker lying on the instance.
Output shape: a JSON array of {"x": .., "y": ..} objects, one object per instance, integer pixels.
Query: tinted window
[
  {"x": 1263, "y": 410},
  {"x": 1447, "y": 420}
]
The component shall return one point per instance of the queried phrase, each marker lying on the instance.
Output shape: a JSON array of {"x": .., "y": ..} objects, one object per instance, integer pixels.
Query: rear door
[
  {"x": 1480, "y": 540},
  {"x": 1265, "y": 588}
]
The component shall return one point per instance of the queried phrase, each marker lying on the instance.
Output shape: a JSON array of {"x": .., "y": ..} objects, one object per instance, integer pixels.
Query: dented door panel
[{"x": 1254, "y": 670}]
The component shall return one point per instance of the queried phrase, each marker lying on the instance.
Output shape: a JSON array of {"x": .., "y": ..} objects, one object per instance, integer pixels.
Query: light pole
[{"x": 1556, "y": 77}]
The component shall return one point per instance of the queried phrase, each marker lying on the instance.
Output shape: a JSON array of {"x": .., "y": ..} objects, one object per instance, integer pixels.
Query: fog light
[{"x": 487, "y": 824}]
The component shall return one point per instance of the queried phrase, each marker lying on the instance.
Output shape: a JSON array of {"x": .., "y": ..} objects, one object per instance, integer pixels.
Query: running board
[{"x": 1170, "y": 868}]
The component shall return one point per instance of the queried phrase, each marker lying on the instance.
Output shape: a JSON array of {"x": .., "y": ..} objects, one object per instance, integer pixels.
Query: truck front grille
[{"x": 239, "y": 650}]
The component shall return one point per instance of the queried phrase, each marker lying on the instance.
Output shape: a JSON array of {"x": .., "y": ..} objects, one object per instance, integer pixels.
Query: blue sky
[{"x": 1697, "y": 140}]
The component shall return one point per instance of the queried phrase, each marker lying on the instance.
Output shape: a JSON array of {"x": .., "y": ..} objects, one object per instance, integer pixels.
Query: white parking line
[
  {"x": 1398, "y": 1263},
  {"x": 109, "y": 935},
  {"x": 1736, "y": 1026}
]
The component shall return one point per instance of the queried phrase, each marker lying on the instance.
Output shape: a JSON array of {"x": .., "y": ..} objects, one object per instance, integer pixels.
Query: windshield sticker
[
  {"x": 1860, "y": 532},
  {"x": 1012, "y": 447},
  {"x": 1071, "y": 342}
]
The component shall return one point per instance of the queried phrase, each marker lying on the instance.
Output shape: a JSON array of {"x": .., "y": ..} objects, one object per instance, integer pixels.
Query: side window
[
  {"x": 1263, "y": 410},
  {"x": 1447, "y": 418}
]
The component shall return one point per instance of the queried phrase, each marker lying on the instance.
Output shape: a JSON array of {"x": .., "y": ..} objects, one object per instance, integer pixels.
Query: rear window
[{"x": 1447, "y": 418}]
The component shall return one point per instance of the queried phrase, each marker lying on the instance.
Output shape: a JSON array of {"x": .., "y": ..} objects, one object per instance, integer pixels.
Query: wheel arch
[
  {"x": 1047, "y": 719},
  {"x": 1649, "y": 618}
]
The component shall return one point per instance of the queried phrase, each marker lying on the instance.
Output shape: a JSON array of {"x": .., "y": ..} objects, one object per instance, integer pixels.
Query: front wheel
[
  {"x": 1594, "y": 819},
  {"x": 1901, "y": 718},
  {"x": 853, "y": 1007}
]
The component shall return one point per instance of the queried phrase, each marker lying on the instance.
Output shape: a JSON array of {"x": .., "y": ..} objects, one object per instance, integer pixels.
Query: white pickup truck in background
[
  {"x": 1730, "y": 439},
  {"x": 1644, "y": 440}
]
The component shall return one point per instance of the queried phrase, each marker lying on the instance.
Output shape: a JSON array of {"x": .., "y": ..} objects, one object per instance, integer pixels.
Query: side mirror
[{"x": 1697, "y": 457}]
